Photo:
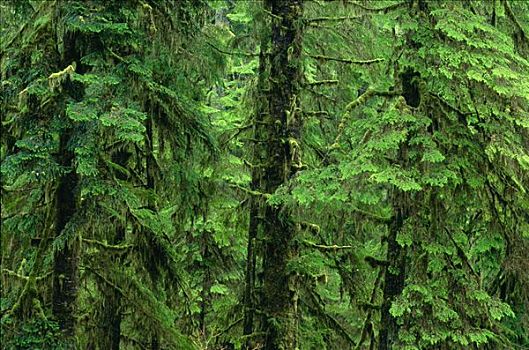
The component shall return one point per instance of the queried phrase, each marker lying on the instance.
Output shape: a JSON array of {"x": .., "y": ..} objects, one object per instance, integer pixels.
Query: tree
[{"x": 280, "y": 174}]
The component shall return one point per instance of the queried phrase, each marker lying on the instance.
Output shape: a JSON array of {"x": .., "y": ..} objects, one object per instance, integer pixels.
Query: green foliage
[
  {"x": 36, "y": 334},
  {"x": 414, "y": 124}
]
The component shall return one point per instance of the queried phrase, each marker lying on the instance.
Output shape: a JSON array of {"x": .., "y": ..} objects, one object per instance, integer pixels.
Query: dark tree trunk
[
  {"x": 150, "y": 185},
  {"x": 207, "y": 282},
  {"x": 111, "y": 314},
  {"x": 395, "y": 270},
  {"x": 282, "y": 161},
  {"x": 255, "y": 201},
  {"x": 66, "y": 259},
  {"x": 394, "y": 276}
]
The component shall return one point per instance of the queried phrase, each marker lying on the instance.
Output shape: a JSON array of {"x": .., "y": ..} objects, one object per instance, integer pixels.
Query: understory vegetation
[{"x": 275, "y": 174}]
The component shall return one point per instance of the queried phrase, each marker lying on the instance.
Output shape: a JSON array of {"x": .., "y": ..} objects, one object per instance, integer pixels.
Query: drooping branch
[
  {"x": 376, "y": 217},
  {"x": 24, "y": 277},
  {"x": 108, "y": 246},
  {"x": 313, "y": 20},
  {"x": 323, "y": 247},
  {"x": 249, "y": 191},
  {"x": 384, "y": 10},
  {"x": 448, "y": 105},
  {"x": 323, "y": 82},
  {"x": 355, "y": 103},
  {"x": 233, "y": 53},
  {"x": 374, "y": 262},
  {"x": 346, "y": 60},
  {"x": 462, "y": 255}
]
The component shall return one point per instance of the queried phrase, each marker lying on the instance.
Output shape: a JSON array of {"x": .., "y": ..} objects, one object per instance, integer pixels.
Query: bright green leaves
[
  {"x": 398, "y": 177},
  {"x": 499, "y": 310},
  {"x": 399, "y": 308},
  {"x": 92, "y": 22},
  {"x": 311, "y": 264},
  {"x": 484, "y": 54},
  {"x": 442, "y": 323},
  {"x": 82, "y": 111},
  {"x": 86, "y": 158},
  {"x": 33, "y": 163},
  {"x": 433, "y": 156},
  {"x": 128, "y": 123}
]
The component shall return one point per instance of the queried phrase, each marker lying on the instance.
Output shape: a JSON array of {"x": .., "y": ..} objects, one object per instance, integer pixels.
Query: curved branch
[
  {"x": 385, "y": 9},
  {"x": 346, "y": 60}
]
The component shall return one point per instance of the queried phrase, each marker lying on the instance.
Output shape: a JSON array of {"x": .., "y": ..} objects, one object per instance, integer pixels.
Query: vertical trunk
[
  {"x": 65, "y": 262},
  {"x": 249, "y": 307},
  {"x": 149, "y": 172},
  {"x": 111, "y": 314},
  {"x": 394, "y": 275},
  {"x": 110, "y": 323},
  {"x": 255, "y": 201},
  {"x": 283, "y": 159},
  {"x": 205, "y": 295},
  {"x": 395, "y": 271}
]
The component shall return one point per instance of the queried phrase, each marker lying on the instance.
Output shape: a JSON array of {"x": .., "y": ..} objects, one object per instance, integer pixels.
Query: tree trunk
[
  {"x": 66, "y": 259},
  {"x": 283, "y": 159},
  {"x": 394, "y": 276},
  {"x": 207, "y": 282},
  {"x": 150, "y": 185},
  {"x": 111, "y": 307},
  {"x": 395, "y": 271},
  {"x": 110, "y": 323},
  {"x": 255, "y": 201}
]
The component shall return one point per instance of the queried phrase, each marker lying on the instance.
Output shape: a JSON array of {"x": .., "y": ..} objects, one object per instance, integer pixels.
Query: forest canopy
[{"x": 274, "y": 174}]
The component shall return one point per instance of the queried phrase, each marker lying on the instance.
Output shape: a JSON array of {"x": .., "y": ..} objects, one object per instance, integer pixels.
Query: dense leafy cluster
[{"x": 286, "y": 174}]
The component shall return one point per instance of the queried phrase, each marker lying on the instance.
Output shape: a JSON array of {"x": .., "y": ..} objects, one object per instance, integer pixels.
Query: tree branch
[
  {"x": 233, "y": 53},
  {"x": 380, "y": 9},
  {"x": 326, "y": 247},
  {"x": 24, "y": 277},
  {"x": 346, "y": 60},
  {"x": 355, "y": 103},
  {"x": 249, "y": 191},
  {"x": 329, "y": 19},
  {"x": 108, "y": 246}
]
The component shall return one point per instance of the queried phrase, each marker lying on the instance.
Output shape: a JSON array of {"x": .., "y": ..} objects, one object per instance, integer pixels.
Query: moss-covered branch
[
  {"x": 346, "y": 60},
  {"x": 108, "y": 246},
  {"x": 333, "y": 247},
  {"x": 355, "y": 103}
]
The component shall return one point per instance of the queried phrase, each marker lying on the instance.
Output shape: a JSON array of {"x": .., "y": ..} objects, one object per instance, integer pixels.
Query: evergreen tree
[{"x": 278, "y": 174}]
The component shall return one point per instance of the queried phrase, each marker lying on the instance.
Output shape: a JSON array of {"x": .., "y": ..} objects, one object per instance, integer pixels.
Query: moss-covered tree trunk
[
  {"x": 255, "y": 219},
  {"x": 282, "y": 138},
  {"x": 111, "y": 313},
  {"x": 66, "y": 259},
  {"x": 394, "y": 275},
  {"x": 207, "y": 282},
  {"x": 395, "y": 270},
  {"x": 150, "y": 163},
  {"x": 110, "y": 323}
]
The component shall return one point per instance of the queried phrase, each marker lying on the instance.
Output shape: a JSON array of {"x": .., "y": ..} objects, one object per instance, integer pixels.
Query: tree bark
[
  {"x": 150, "y": 162},
  {"x": 111, "y": 307},
  {"x": 395, "y": 270},
  {"x": 252, "y": 251},
  {"x": 394, "y": 275},
  {"x": 66, "y": 260},
  {"x": 110, "y": 324},
  {"x": 283, "y": 126},
  {"x": 207, "y": 282}
]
